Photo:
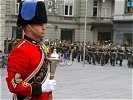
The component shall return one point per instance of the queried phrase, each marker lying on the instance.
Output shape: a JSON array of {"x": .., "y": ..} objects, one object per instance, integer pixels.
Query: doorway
[
  {"x": 68, "y": 34},
  {"x": 104, "y": 36},
  {"x": 128, "y": 39}
]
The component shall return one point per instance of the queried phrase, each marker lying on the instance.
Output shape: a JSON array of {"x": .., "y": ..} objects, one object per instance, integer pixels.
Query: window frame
[
  {"x": 17, "y": 6},
  {"x": 70, "y": 9},
  {"x": 128, "y": 8},
  {"x": 95, "y": 7},
  {"x": 106, "y": 9}
]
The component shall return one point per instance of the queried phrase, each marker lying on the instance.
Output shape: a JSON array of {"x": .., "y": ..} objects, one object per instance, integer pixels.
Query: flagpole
[{"x": 85, "y": 34}]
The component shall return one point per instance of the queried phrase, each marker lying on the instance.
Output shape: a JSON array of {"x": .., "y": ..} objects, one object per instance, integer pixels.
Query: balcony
[
  {"x": 100, "y": 20},
  {"x": 81, "y": 20}
]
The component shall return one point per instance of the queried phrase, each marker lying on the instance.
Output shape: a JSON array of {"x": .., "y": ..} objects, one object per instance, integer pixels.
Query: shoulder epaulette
[{"x": 21, "y": 43}]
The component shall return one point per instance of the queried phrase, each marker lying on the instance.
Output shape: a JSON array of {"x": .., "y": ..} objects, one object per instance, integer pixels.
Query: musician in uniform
[
  {"x": 120, "y": 54},
  {"x": 28, "y": 67},
  {"x": 113, "y": 55},
  {"x": 106, "y": 49},
  {"x": 46, "y": 47}
]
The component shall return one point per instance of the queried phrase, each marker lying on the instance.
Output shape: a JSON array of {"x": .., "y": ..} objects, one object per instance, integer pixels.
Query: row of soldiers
[
  {"x": 97, "y": 54},
  {"x": 94, "y": 53}
]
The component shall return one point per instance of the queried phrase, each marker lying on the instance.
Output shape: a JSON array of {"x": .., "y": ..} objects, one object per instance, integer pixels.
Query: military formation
[{"x": 96, "y": 53}]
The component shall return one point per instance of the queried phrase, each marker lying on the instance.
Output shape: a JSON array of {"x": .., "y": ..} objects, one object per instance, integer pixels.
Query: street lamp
[{"x": 85, "y": 33}]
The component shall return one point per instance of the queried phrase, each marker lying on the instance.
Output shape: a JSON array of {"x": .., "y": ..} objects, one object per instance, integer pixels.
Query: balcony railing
[
  {"x": 100, "y": 20},
  {"x": 90, "y": 20}
]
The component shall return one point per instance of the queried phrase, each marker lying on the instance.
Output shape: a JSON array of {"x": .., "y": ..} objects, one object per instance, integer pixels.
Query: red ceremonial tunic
[{"x": 22, "y": 61}]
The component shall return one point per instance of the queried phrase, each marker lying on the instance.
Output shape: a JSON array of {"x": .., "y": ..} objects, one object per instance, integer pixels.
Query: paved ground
[{"x": 89, "y": 82}]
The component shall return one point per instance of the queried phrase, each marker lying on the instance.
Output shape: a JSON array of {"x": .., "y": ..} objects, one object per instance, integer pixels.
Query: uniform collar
[{"x": 31, "y": 40}]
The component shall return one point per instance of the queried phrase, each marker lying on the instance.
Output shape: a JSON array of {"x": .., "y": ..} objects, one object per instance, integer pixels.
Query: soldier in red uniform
[{"x": 28, "y": 67}]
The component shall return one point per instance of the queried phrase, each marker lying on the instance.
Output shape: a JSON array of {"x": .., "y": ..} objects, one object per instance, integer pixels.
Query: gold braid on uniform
[{"x": 16, "y": 80}]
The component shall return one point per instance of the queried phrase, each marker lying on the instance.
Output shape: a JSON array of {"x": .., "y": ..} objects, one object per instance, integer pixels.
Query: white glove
[{"x": 48, "y": 85}]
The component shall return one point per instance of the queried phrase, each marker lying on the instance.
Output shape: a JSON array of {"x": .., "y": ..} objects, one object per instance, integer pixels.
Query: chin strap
[{"x": 34, "y": 31}]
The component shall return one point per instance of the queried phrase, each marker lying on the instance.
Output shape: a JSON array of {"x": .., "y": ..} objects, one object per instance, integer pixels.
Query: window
[
  {"x": 95, "y": 8},
  {"x": 128, "y": 38},
  {"x": 68, "y": 10},
  {"x": 17, "y": 2},
  {"x": 16, "y": 33},
  {"x": 106, "y": 9},
  {"x": 68, "y": 7},
  {"x": 129, "y": 6}
]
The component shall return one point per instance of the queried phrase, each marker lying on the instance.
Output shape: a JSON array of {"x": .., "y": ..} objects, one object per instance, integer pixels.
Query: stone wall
[{"x": 2, "y": 23}]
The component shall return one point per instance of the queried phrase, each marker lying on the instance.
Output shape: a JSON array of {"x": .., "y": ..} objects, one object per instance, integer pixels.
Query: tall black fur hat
[{"x": 31, "y": 13}]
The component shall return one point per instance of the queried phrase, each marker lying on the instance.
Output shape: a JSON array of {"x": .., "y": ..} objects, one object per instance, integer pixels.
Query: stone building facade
[
  {"x": 123, "y": 22},
  {"x": 66, "y": 20},
  {"x": 2, "y": 23}
]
